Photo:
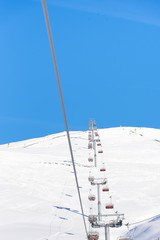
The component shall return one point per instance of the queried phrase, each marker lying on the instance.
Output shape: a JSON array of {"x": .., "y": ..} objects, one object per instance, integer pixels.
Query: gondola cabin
[
  {"x": 94, "y": 124},
  {"x": 92, "y": 218},
  {"x": 91, "y": 197},
  {"x": 100, "y": 151},
  {"x": 102, "y": 169},
  {"x": 93, "y": 236},
  {"x": 105, "y": 189},
  {"x": 91, "y": 178},
  {"x": 89, "y": 145},
  {"x": 90, "y": 159},
  {"x": 109, "y": 206},
  {"x": 98, "y": 144},
  {"x": 96, "y": 134}
]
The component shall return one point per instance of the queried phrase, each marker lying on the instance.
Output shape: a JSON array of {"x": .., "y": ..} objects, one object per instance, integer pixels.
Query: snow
[{"x": 38, "y": 196}]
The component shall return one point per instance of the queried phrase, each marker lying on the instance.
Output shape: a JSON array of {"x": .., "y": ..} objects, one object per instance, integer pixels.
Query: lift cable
[
  {"x": 62, "y": 104},
  {"x": 130, "y": 224}
]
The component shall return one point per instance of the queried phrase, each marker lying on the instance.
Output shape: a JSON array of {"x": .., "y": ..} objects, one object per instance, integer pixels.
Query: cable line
[
  {"x": 62, "y": 104},
  {"x": 130, "y": 224}
]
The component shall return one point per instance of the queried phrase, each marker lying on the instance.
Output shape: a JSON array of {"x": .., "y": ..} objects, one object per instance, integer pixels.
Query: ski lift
[
  {"x": 91, "y": 179},
  {"x": 115, "y": 223},
  {"x": 93, "y": 236},
  {"x": 105, "y": 189},
  {"x": 89, "y": 145},
  {"x": 91, "y": 197},
  {"x": 103, "y": 169},
  {"x": 92, "y": 218},
  {"x": 98, "y": 144},
  {"x": 100, "y": 151},
  {"x": 90, "y": 159},
  {"x": 110, "y": 204}
]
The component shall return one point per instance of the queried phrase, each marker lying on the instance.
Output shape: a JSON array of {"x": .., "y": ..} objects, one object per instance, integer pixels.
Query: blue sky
[{"x": 108, "y": 56}]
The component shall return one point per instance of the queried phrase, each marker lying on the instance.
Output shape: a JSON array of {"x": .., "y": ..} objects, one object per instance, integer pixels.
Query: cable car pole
[
  {"x": 95, "y": 156},
  {"x": 106, "y": 232},
  {"x": 94, "y": 146},
  {"x": 99, "y": 203}
]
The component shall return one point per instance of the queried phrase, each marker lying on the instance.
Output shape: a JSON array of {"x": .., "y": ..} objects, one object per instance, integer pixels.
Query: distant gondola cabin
[
  {"x": 109, "y": 206},
  {"x": 102, "y": 169},
  {"x": 89, "y": 145},
  {"x": 90, "y": 159},
  {"x": 100, "y": 151},
  {"x": 92, "y": 218},
  {"x": 105, "y": 189},
  {"x": 93, "y": 236},
  {"x": 91, "y": 197},
  {"x": 91, "y": 178}
]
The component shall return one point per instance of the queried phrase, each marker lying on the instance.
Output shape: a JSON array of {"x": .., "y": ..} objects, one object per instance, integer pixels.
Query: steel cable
[{"x": 62, "y": 104}]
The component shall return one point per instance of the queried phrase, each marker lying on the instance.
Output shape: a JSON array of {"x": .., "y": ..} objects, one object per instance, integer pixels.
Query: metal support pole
[
  {"x": 95, "y": 156},
  {"x": 94, "y": 146},
  {"x": 107, "y": 232},
  {"x": 99, "y": 203}
]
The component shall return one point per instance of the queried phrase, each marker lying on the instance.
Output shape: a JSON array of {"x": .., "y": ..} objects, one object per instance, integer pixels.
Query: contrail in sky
[{"x": 144, "y": 12}]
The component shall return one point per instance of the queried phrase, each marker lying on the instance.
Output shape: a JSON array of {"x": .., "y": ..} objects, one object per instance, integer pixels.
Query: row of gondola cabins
[
  {"x": 92, "y": 197},
  {"x": 95, "y": 235}
]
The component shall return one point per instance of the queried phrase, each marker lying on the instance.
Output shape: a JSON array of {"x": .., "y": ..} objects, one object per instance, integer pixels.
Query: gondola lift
[
  {"x": 90, "y": 159},
  {"x": 92, "y": 218},
  {"x": 93, "y": 236},
  {"x": 105, "y": 189},
  {"x": 109, "y": 205},
  {"x": 103, "y": 169},
  {"x": 91, "y": 197},
  {"x": 91, "y": 177},
  {"x": 89, "y": 145},
  {"x": 100, "y": 151}
]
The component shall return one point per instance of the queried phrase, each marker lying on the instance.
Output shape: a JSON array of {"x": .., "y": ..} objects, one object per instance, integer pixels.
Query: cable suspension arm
[{"x": 62, "y": 103}]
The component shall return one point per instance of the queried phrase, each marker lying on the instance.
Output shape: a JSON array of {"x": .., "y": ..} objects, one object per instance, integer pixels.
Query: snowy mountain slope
[{"x": 38, "y": 197}]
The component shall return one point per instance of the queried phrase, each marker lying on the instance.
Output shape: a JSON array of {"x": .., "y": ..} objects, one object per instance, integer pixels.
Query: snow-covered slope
[{"x": 38, "y": 196}]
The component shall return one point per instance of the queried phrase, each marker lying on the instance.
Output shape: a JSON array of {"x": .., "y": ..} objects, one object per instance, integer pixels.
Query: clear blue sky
[{"x": 108, "y": 55}]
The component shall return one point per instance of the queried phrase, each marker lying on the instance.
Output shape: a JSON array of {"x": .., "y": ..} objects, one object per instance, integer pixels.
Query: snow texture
[{"x": 38, "y": 195}]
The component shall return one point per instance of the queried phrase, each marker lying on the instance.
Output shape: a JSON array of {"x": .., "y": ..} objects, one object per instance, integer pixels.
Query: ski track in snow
[{"x": 38, "y": 196}]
